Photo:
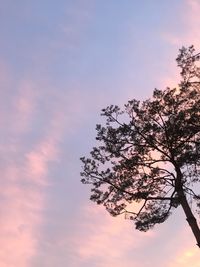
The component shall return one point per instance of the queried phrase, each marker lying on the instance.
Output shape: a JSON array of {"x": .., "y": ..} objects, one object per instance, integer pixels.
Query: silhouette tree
[{"x": 148, "y": 158}]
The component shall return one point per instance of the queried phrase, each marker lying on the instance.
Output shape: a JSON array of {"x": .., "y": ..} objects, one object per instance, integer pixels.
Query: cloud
[
  {"x": 21, "y": 208},
  {"x": 39, "y": 158},
  {"x": 16, "y": 229},
  {"x": 187, "y": 257},
  {"x": 24, "y": 105},
  {"x": 106, "y": 241},
  {"x": 193, "y": 23},
  {"x": 24, "y": 169},
  {"x": 190, "y": 26},
  {"x": 188, "y": 34}
]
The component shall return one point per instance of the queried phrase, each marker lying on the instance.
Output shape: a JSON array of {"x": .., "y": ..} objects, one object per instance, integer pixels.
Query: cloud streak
[
  {"x": 105, "y": 241},
  {"x": 24, "y": 170}
]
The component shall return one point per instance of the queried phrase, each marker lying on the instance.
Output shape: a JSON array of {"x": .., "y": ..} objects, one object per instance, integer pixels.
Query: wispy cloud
[
  {"x": 24, "y": 105},
  {"x": 37, "y": 121},
  {"x": 106, "y": 241},
  {"x": 24, "y": 170}
]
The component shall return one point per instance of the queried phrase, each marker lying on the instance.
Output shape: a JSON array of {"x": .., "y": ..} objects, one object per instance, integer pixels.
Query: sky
[{"x": 61, "y": 62}]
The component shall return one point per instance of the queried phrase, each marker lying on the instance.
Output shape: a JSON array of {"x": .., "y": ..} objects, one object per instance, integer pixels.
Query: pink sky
[{"x": 60, "y": 64}]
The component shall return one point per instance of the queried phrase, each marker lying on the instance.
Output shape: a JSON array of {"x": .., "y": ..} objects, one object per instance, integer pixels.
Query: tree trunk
[
  {"x": 190, "y": 217},
  {"x": 184, "y": 203}
]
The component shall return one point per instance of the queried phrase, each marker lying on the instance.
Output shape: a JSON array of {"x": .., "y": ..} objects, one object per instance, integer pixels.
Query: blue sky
[{"x": 60, "y": 64}]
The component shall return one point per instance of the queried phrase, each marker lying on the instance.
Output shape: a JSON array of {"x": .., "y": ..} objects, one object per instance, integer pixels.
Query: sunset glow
[{"x": 61, "y": 63}]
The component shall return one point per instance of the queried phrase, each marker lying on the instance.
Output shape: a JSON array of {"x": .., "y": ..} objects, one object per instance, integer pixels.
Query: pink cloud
[
  {"x": 38, "y": 159},
  {"x": 187, "y": 257},
  {"x": 106, "y": 239},
  {"x": 25, "y": 176},
  {"x": 190, "y": 35},
  {"x": 20, "y": 216},
  {"x": 17, "y": 106},
  {"x": 22, "y": 207},
  {"x": 24, "y": 106},
  {"x": 187, "y": 254},
  {"x": 191, "y": 22}
]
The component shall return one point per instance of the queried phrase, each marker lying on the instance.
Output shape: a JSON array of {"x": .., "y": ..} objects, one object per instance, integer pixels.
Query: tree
[{"x": 148, "y": 158}]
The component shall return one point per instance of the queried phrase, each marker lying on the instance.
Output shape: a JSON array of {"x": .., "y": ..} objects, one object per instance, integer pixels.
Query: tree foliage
[{"x": 148, "y": 158}]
